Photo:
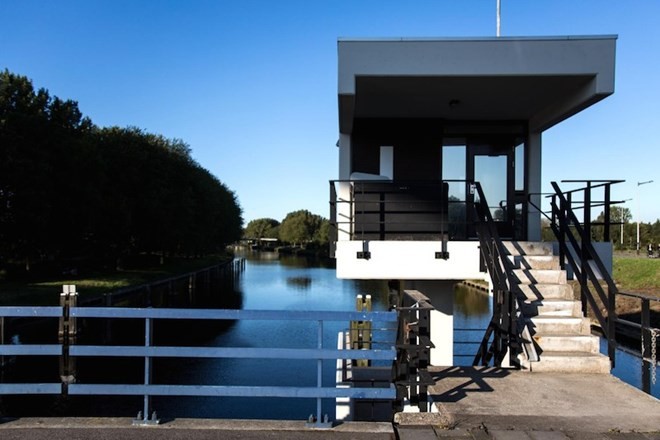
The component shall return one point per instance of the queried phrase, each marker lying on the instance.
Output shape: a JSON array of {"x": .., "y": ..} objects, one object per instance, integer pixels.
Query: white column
[
  {"x": 343, "y": 189},
  {"x": 344, "y": 156},
  {"x": 387, "y": 162},
  {"x": 533, "y": 176}
]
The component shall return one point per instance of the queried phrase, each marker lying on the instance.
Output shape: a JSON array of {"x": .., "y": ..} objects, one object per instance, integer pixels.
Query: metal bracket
[
  {"x": 444, "y": 255},
  {"x": 313, "y": 423},
  {"x": 364, "y": 254},
  {"x": 141, "y": 421}
]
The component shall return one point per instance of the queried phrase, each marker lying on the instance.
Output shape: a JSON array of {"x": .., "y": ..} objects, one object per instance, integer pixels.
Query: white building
[{"x": 421, "y": 118}]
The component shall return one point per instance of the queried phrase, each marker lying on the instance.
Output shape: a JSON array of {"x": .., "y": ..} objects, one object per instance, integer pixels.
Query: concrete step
[
  {"x": 537, "y": 276},
  {"x": 558, "y": 325},
  {"x": 552, "y": 307},
  {"x": 536, "y": 262},
  {"x": 571, "y": 362},
  {"x": 546, "y": 291},
  {"x": 568, "y": 342},
  {"x": 528, "y": 248}
]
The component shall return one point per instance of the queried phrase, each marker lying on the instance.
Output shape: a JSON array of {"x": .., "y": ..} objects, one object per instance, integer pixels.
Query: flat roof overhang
[{"x": 539, "y": 80}]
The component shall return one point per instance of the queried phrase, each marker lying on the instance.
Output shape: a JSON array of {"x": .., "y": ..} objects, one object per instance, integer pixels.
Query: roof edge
[{"x": 468, "y": 39}]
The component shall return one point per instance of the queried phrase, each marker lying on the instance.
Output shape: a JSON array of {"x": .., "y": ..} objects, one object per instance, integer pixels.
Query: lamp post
[
  {"x": 621, "y": 215},
  {"x": 638, "y": 185}
]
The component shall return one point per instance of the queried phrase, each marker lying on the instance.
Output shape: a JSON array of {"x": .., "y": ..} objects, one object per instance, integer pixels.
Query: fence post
[
  {"x": 611, "y": 326},
  {"x": 360, "y": 331},
  {"x": 2, "y": 340},
  {"x": 67, "y": 336},
  {"x": 646, "y": 335},
  {"x": 319, "y": 421},
  {"x": 143, "y": 416}
]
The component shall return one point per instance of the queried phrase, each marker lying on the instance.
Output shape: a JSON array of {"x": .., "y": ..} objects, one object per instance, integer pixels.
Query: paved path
[
  {"x": 483, "y": 433},
  {"x": 53, "y": 428},
  {"x": 493, "y": 403}
]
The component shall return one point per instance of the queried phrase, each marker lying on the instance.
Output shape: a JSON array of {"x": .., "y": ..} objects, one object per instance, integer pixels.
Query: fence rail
[{"x": 69, "y": 348}]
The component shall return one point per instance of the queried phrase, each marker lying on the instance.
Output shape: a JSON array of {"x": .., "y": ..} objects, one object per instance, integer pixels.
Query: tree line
[
  {"x": 299, "y": 228},
  {"x": 72, "y": 190}
]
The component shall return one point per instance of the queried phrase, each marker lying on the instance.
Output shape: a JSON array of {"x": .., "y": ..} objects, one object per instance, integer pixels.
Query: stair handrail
[
  {"x": 507, "y": 324},
  {"x": 566, "y": 225},
  {"x": 584, "y": 252}
]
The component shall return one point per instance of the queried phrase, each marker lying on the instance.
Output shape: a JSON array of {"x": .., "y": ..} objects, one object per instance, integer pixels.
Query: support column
[
  {"x": 344, "y": 206},
  {"x": 533, "y": 177}
]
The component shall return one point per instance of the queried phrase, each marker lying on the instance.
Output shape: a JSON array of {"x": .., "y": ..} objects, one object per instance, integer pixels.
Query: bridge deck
[{"x": 499, "y": 399}]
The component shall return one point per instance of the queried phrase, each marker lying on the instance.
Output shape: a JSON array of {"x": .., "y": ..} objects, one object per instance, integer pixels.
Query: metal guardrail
[
  {"x": 576, "y": 248},
  {"x": 149, "y": 351},
  {"x": 575, "y": 235},
  {"x": 647, "y": 334},
  {"x": 507, "y": 327},
  {"x": 187, "y": 282},
  {"x": 397, "y": 210}
]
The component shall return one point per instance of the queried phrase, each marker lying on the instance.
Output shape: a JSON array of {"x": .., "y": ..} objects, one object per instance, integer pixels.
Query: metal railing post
[
  {"x": 611, "y": 326},
  {"x": 67, "y": 336},
  {"x": 143, "y": 416},
  {"x": 2, "y": 340},
  {"x": 606, "y": 213},
  {"x": 646, "y": 346},
  {"x": 320, "y": 421}
]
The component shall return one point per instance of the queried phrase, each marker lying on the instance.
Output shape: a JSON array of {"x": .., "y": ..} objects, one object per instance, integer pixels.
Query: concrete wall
[{"x": 408, "y": 260}]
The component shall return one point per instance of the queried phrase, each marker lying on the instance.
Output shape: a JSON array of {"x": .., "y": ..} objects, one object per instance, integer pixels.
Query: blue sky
[{"x": 252, "y": 85}]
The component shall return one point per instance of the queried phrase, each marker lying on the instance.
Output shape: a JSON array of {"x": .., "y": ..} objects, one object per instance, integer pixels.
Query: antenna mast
[{"x": 499, "y": 8}]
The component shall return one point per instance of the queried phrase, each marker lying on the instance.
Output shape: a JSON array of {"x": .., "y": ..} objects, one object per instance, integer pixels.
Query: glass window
[
  {"x": 453, "y": 168},
  {"x": 520, "y": 166}
]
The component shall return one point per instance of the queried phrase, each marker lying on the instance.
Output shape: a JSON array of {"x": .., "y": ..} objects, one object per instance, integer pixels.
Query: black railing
[
  {"x": 576, "y": 248},
  {"x": 645, "y": 333},
  {"x": 598, "y": 292},
  {"x": 507, "y": 331},
  {"x": 397, "y": 210},
  {"x": 414, "y": 346}
]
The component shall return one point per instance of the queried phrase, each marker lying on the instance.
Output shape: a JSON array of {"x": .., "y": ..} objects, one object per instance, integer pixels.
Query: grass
[
  {"x": 46, "y": 292},
  {"x": 637, "y": 274}
]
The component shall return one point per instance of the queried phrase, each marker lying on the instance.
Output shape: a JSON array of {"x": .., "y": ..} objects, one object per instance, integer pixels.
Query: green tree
[
  {"x": 40, "y": 137},
  {"x": 261, "y": 228},
  {"x": 71, "y": 190},
  {"x": 301, "y": 227}
]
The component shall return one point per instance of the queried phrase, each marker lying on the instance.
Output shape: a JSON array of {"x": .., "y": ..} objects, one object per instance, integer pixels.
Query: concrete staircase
[{"x": 562, "y": 333}]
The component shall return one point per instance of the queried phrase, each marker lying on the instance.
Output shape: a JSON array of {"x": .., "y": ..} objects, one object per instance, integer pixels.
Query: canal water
[{"x": 269, "y": 282}]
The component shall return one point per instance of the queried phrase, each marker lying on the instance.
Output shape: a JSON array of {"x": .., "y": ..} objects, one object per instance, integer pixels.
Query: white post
[
  {"x": 499, "y": 9},
  {"x": 638, "y": 185},
  {"x": 621, "y": 212}
]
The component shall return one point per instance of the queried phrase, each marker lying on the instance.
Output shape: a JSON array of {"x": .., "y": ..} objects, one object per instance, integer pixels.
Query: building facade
[{"x": 420, "y": 120}]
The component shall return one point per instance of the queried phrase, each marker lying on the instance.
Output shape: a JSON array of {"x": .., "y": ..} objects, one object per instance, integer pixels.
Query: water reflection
[
  {"x": 472, "y": 312},
  {"x": 471, "y": 302},
  {"x": 300, "y": 283}
]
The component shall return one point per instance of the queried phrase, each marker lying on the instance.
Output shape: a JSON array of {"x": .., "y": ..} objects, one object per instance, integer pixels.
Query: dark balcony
[{"x": 399, "y": 210}]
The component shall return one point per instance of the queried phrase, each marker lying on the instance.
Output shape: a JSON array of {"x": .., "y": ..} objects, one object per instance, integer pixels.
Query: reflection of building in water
[
  {"x": 299, "y": 282},
  {"x": 471, "y": 302}
]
